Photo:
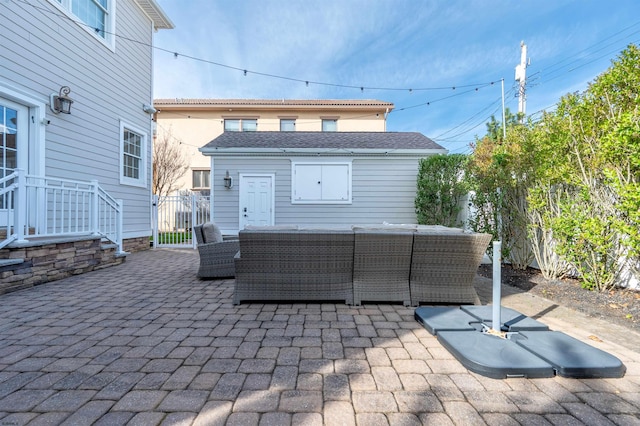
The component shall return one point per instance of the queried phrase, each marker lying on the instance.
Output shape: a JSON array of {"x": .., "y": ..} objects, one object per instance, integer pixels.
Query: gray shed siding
[
  {"x": 41, "y": 51},
  {"x": 383, "y": 189}
]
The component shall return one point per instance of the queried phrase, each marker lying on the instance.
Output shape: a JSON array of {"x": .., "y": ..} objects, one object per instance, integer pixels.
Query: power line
[
  {"x": 477, "y": 123},
  {"x": 550, "y": 68},
  {"x": 557, "y": 69},
  {"x": 427, "y": 103}
]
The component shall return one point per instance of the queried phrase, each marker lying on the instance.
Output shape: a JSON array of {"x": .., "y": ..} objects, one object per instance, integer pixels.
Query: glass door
[{"x": 13, "y": 135}]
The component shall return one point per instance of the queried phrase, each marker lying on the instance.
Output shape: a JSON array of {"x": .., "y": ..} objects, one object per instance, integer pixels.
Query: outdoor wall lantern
[
  {"x": 228, "y": 181},
  {"x": 61, "y": 103}
]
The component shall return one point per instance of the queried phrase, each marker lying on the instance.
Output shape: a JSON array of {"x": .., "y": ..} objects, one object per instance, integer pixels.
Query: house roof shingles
[{"x": 369, "y": 141}]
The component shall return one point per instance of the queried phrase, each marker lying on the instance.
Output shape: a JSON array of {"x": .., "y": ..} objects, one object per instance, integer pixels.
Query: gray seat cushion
[{"x": 211, "y": 233}]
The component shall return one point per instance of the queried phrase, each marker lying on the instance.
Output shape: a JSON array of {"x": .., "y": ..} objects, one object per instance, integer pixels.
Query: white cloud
[{"x": 401, "y": 44}]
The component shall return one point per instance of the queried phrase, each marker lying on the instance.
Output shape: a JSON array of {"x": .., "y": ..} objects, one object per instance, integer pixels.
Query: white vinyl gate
[{"x": 174, "y": 217}]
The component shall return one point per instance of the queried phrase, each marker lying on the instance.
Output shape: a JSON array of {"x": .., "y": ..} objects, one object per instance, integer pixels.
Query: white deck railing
[{"x": 41, "y": 207}]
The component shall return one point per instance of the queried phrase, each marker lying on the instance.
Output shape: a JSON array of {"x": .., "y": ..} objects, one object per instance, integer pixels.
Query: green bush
[{"x": 441, "y": 189}]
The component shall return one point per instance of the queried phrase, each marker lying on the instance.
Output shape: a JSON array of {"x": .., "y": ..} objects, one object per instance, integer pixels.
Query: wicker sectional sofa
[
  {"x": 294, "y": 265},
  {"x": 409, "y": 264}
]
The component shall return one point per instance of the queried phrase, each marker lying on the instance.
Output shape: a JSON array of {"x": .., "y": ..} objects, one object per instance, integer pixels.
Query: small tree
[
  {"x": 441, "y": 188},
  {"x": 169, "y": 163},
  {"x": 500, "y": 171}
]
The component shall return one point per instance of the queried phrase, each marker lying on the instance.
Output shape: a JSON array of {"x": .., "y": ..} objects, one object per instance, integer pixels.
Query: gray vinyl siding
[
  {"x": 383, "y": 189},
  {"x": 42, "y": 50}
]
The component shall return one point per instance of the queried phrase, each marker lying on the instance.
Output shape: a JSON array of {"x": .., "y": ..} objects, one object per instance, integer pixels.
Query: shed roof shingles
[{"x": 323, "y": 140}]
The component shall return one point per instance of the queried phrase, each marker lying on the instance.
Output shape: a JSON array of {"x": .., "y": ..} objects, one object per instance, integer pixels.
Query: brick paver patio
[{"x": 146, "y": 343}]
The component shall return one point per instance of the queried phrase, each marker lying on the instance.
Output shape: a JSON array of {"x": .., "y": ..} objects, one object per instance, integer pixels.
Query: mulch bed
[{"x": 618, "y": 306}]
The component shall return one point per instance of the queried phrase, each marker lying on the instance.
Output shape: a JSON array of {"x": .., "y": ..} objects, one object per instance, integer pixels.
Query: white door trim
[
  {"x": 36, "y": 105},
  {"x": 241, "y": 177}
]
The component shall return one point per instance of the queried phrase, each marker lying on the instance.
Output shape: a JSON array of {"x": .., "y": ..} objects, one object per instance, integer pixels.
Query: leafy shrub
[{"x": 441, "y": 189}]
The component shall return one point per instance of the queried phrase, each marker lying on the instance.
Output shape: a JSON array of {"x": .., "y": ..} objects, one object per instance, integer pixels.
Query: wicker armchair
[{"x": 216, "y": 253}]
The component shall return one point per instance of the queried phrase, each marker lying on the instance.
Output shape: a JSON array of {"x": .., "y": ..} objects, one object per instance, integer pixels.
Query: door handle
[{"x": 244, "y": 209}]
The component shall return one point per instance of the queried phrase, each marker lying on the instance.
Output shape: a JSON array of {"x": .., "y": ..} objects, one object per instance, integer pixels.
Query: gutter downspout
[
  {"x": 211, "y": 188},
  {"x": 386, "y": 114}
]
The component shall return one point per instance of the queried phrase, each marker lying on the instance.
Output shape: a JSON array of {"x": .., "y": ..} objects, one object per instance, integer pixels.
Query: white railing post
[
  {"x": 20, "y": 206},
  {"x": 194, "y": 219},
  {"x": 496, "y": 322},
  {"x": 95, "y": 207},
  {"x": 154, "y": 218},
  {"x": 119, "y": 222}
]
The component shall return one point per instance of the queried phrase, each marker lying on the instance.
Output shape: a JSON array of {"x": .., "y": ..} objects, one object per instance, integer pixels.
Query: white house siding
[
  {"x": 383, "y": 189},
  {"x": 41, "y": 51}
]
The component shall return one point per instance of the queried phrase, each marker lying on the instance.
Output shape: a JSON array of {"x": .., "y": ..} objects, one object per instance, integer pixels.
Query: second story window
[
  {"x": 240, "y": 124},
  {"x": 94, "y": 13},
  {"x": 287, "y": 124},
  {"x": 329, "y": 124}
]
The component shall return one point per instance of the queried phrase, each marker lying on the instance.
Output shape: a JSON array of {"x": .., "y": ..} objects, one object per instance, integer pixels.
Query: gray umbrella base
[
  {"x": 530, "y": 349},
  {"x": 511, "y": 319}
]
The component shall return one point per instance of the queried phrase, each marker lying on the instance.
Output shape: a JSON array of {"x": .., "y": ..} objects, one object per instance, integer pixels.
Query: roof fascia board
[
  {"x": 253, "y": 107},
  {"x": 284, "y": 152},
  {"x": 153, "y": 10}
]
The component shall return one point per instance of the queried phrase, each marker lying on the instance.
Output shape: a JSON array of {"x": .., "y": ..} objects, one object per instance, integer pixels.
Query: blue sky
[{"x": 401, "y": 45}]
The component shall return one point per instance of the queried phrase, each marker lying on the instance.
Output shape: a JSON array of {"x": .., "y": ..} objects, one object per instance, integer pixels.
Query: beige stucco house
[{"x": 195, "y": 122}]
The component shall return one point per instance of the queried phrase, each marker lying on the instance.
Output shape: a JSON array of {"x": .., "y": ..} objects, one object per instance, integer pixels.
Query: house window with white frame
[
  {"x": 240, "y": 124},
  {"x": 133, "y": 156},
  {"x": 201, "y": 180},
  {"x": 287, "y": 124},
  {"x": 96, "y": 14},
  {"x": 329, "y": 124},
  {"x": 321, "y": 182}
]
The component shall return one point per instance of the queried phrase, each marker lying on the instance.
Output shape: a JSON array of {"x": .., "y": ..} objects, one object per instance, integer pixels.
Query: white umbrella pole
[{"x": 497, "y": 249}]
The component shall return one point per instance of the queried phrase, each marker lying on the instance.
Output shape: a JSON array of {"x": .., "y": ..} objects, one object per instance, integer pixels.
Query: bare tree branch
[{"x": 169, "y": 163}]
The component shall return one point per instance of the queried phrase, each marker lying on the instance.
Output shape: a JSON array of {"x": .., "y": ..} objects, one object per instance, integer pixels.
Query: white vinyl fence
[{"x": 174, "y": 217}]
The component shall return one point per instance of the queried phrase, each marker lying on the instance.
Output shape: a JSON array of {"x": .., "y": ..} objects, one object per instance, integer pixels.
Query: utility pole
[{"x": 521, "y": 76}]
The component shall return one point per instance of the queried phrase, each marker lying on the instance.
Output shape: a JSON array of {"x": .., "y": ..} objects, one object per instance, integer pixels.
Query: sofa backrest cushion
[
  {"x": 382, "y": 228},
  {"x": 211, "y": 233},
  {"x": 437, "y": 229},
  {"x": 271, "y": 227}
]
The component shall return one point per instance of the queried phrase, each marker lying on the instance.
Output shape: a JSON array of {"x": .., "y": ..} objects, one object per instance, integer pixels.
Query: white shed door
[{"x": 256, "y": 200}]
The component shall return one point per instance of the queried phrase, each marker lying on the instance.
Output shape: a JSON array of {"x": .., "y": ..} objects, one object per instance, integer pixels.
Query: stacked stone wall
[
  {"x": 53, "y": 261},
  {"x": 133, "y": 245}
]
